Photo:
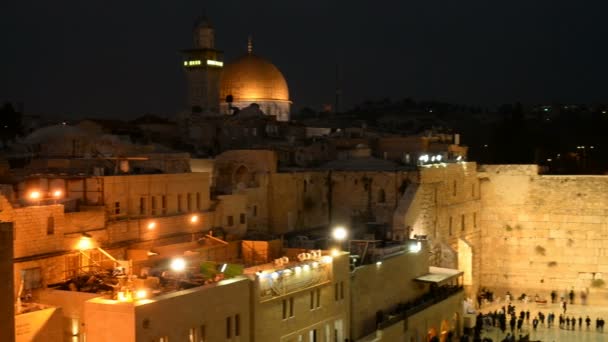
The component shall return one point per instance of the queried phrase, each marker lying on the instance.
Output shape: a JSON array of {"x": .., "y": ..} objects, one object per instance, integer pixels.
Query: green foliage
[{"x": 540, "y": 250}]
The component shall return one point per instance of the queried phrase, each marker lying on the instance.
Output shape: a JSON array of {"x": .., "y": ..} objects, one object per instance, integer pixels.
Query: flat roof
[{"x": 439, "y": 274}]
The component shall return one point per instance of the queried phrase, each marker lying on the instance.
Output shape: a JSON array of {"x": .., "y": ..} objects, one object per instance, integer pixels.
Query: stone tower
[{"x": 203, "y": 66}]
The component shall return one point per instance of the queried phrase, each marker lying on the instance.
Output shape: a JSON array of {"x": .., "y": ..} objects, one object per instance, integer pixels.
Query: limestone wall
[{"x": 542, "y": 233}]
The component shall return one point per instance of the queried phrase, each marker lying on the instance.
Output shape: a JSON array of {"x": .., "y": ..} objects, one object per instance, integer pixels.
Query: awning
[{"x": 438, "y": 275}]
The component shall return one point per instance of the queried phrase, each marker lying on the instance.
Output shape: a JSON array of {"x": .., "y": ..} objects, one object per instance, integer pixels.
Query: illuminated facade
[{"x": 203, "y": 66}]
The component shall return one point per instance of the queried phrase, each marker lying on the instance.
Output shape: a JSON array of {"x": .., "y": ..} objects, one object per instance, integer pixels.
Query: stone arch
[{"x": 241, "y": 176}]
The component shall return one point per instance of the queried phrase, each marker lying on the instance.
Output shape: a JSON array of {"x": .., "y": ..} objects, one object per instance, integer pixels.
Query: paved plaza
[{"x": 555, "y": 333}]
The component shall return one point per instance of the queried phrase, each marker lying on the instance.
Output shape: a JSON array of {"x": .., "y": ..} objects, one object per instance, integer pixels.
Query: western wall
[{"x": 542, "y": 233}]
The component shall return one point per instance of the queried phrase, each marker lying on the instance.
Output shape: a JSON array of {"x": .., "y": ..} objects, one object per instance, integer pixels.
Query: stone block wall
[{"x": 542, "y": 233}]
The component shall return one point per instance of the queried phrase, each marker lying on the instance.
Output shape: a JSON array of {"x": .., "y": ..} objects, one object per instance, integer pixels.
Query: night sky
[{"x": 121, "y": 58}]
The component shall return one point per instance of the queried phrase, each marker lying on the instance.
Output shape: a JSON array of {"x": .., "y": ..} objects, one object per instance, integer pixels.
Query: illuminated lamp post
[
  {"x": 178, "y": 265},
  {"x": 34, "y": 196},
  {"x": 57, "y": 194},
  {"x": 339, "y": 234}
]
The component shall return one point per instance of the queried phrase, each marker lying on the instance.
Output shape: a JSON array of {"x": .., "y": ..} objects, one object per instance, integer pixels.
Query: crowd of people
[{"x": 511, "y": 322}]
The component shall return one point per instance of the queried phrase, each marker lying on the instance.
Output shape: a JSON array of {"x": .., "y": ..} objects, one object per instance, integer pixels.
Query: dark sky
[{"x": 121, "y": 58}]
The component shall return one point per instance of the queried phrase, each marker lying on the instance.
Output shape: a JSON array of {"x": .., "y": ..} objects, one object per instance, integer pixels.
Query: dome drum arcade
[{"x": 247, "y": 80}]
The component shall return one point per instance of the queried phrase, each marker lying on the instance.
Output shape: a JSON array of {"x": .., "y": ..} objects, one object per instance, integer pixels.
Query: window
[
  {"x": 318, "y": 295},
  {"x": 116, "y": 208},
  {"x": 284, "y": 308},
  {"x": 381, "y": 196},
  {"x": 142, "y": 206},
  {"x": 305, "y": 186},
  {"x": 312, "y": 300},
  {"x": 192, "y": 335},
  {"x": 242, "y": 219},
  {"x": 454, "y": 190},
  {"x": 237, "y": 325},
  {"x": 31, "y": 278},
  {"x": 72, "y": 265},
  {"x": 473, "y": 190},
  {"x": 153, "y": 205},
  {"x": 313, "y": 335},
  {"x": 341, "y": 290},
  {"x": 179, "y": 203},
  {"x": 228, "y": 327},
  {"x": 163, "y": 339},
  {"x": 230, "y": 220},
  {"x": 163, "y": 204},
  {"x": 189, "y": 202},
  {"x": 203, "y": 332},
  {"x": 450, "y": 226},
  {"x": 50, "y": 225},
  {"x": 291, "y": 307},
  {"x": 255, "y": 210},
  {"x": 462, "y": 222},
  {"x": 475, "y": 219},
  {"x": 336, "y": 291},
  {"x": 198, "y": 201}
]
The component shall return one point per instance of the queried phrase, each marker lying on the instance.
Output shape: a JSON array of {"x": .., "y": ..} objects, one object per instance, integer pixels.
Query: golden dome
[{"x": 252, "y": 78}]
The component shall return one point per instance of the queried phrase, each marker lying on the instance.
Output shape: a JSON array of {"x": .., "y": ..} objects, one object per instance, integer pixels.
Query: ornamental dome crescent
[{"x": 252, "y": 78}]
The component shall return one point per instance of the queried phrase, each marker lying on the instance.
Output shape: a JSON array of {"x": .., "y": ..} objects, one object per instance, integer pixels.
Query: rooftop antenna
[{"x": 249, "y": 45}]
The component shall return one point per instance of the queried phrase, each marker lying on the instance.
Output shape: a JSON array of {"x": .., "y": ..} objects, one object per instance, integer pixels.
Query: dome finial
[{"x": 249, "y": 44}]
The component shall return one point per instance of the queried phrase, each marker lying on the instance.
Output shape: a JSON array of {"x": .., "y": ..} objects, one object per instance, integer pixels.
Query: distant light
[
  {"x": 433, "y": 158},
  {"x": 194, "y": 218},
  {"x": 438, "y": 157},
  {"x": 34, "y": 195},
  {"x": 178, "y": 264},
  {"x": 64, "y": 123},
  {"x": 486, "y": 145},
  {"x": 546, "y": 109},
  {"x": 298, "y": 269},
  {"x": 84, "y": 244},
  {"x": 603, "y": 112},
  {"x": 223, "y": 269},
  {"x": 215, "y": 63},
  {"x": 591, "y": 146},
  {"x": 327, "y": 259},
  {"x": 415, "y": 247},
  {"x": 339, "y": 233},
  {"x": 459, "y": 158},
  {"x": 57, "y": 193},
  {"x": 378, "y": 263},
  {"x": 549, "y": 159},
  {"x": 192, "y": 62},
  {"x": 315, "y": 264},
  {"x": 151, "y": 225},
  {"x": 122, "y": 296},
  {"x": 141, "y": 294},
  {"x": 274, "y": 275},
  {"x": 306, "y": 267},
  {"x": 335, "y": 252}
]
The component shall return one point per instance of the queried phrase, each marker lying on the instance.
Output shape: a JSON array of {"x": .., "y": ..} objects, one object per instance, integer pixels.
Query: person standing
[
  {"x": 580, "y": 322},
  {"x": 571, "y": 295},
  {"x": 535, "y": 323},
  {"x": 553, "y": 296},
  {"x": 588, "y": 321},
  {"x": 564, "y": 306}
]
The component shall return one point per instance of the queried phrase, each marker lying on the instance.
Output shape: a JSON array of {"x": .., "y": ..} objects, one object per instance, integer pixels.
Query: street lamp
[
  {"x": 178, "y": 265},
  {"x": 151, "y": 225},
  {"x": 339, "y": 234},
  {"x": 84, "y": 244},
  {"x": 194, "y": 218}
]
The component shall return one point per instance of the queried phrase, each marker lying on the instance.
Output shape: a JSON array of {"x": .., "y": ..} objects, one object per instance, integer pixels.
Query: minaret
[{"x": 203, "y": 66}]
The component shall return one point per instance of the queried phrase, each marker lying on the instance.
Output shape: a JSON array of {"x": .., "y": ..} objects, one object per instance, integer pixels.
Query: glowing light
[
  {"x": 192, "y": 62},
  {"x": 298, "y": 269},
  {"x": 151, "y": 225},
  {"x": 415, "y": 247},
  {"x": 438, "y": 157},
  {"x": 57, "y": 193},
  {"x": 274, "y": 275},
  {"x": 327, "y": 259},
  {"x": 306, "y": 267},
  {"x": 215, "y": 63},
  {"x": 194, "y": 218},
  {"x": 141, "y": 294},
  {"x": 84, "y": 243},
  {"x": 378, "y": 263},
  {"x": 459, "y": 158},
  {"x": 223, "y": 268},
  {"x": 34, "y": 195},
  {"x": 178, "y": 265},
  {"x": 339, "y": 233},
  {"x": 315, "y": 264},
  {"x": 335, "y": 252},
  {"x": 122, "y": 297}
]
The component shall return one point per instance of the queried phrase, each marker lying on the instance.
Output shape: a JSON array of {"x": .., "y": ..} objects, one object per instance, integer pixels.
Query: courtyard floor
[{"x": 555, "y": 333}]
